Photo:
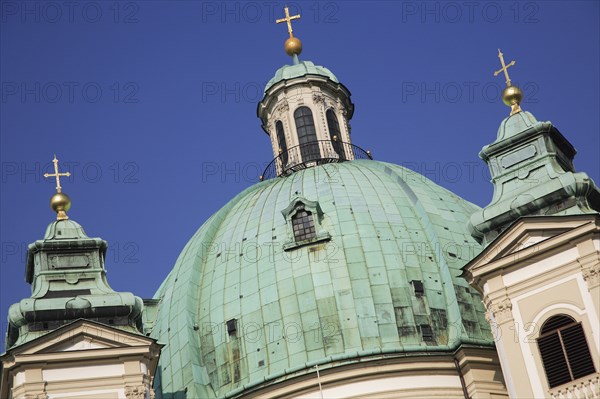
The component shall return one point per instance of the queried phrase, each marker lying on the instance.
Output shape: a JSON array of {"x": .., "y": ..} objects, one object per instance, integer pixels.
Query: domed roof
[
  {"x": 66, "y": 229},
  {"x": 239, "y": 310},
  {"x": 300, "y": 68},
  {"x": 515, "y": 124}
]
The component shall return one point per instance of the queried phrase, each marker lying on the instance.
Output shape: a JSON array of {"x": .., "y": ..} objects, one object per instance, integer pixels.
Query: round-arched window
[{"x": 564, "y": 350}]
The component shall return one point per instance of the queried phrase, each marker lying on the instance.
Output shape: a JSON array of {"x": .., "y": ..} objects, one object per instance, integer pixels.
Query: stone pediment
[
  {"x": 83, "y": 359},
  {"x": 527, "y": 237},
  {"x": 82, "y": 335},
  {"x": 81, "y": 342}
]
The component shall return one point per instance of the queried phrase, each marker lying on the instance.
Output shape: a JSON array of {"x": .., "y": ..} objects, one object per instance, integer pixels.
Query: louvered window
[{"x": 564, "y": 350}]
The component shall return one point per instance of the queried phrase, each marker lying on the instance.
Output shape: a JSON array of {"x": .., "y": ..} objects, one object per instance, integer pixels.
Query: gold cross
[
  {"x": 504, "y": 68},
  {"x": 57, "y": 175},
  {"x": 288, "y": 19}
]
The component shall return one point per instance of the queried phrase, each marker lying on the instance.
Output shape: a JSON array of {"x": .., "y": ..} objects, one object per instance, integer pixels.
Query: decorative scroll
[
  {"x": 591, "y": 274},
  {"x": 500, "y": 311},
  {"x": 137, "y": 392}
]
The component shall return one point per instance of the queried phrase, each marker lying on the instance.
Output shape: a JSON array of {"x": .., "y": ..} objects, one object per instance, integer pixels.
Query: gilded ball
[
  {"x": 60, "y": 202},
  {"x": 293, "y": 45},
  {"x": 512, "y": 95}
]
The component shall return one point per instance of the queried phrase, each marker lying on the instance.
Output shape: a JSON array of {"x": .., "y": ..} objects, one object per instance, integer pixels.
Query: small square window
[
  {"x": 231, "y": 327},
  {"x": 303, "y": 225},
  {"x": 418, "y": 287},
  {"x": 426, "y": 333}
]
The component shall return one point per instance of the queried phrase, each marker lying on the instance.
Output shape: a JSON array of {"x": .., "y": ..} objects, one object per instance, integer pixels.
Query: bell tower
[
  {"x": 539, "y": 272},
  {"x": 74, "y": 336},
  {"x": 531, "y": 164}
]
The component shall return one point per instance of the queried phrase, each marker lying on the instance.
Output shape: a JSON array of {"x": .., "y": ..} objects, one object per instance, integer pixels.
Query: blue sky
[{"x": 151, "y": 105}]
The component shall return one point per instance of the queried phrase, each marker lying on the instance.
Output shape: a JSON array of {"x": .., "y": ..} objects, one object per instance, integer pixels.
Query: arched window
[
  {"x": 303, "y": 225},
  {"x": 564, "y": 350},
  {"x": 334, "y": 133},
  {"x": 281, "y": 142},
  {"x": 307, "y": 135}
]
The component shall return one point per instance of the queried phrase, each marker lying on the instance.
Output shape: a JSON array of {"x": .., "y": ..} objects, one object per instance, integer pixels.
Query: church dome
[
  {"x": 246, "y": 305},
  {"x": 300, "y": 68}
]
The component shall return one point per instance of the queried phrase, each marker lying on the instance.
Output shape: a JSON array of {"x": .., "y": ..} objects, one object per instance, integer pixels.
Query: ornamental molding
[
  {"x": 591, "y": 275},
  {"x": 488, "y": 312},
  {"x": 499, "y": 311},
  {"x": 299, "y": 202},
  {"x": 136, "y": 392},
  {"x": 318, "y": 98},
  {"x": 36, "y": 396},
  {"x": 325, "y": 129},
  {"x": 282, "y": 108}
]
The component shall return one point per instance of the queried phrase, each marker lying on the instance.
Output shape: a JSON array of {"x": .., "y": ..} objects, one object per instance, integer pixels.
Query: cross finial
[
  {"x": 504, "y": 68},
  {"x": 60, "y": 202},
  {"x": 289, "y": 20},
  {"x": 57, "y": 174},
  {"x": 293, "y": 45},
  {"x": 511, "y": 95}
]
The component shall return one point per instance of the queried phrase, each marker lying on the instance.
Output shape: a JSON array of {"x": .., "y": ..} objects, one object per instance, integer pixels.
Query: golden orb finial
[
  {"x": 293, "y": 45},
  {"x": 60, "y": 202},
  {"x": 512, "y": 95}
]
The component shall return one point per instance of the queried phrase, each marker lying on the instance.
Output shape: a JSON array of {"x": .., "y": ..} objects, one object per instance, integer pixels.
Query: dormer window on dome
[{"x": 304, "y": 218}]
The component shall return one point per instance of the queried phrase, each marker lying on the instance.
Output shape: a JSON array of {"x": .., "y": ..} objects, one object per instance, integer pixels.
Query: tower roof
[
  {"x": 300, "y": 68},
  {"x": 65, "y": 229},
  {"x": 531, "y": 165}
]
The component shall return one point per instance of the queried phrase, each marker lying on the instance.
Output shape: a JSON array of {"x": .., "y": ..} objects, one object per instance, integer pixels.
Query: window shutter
[
  {"x": 553, "y": 358},
  {"x": 578, "y": 353},
  {"x": 564, "y": 350}
]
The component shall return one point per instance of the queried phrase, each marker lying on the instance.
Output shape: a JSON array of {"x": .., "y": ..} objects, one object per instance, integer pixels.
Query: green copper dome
[
  {"x": 300, "y": 68},
  {"x": 245, "y": 305}
]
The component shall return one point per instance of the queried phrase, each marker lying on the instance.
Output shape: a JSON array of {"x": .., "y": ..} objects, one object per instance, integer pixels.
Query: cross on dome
[
  {"x": 60, "y": 202},
  {"x": 57, "y": 174},
  {"x": 512, "y": 95},
  {"x": 504, "y": 68},
  {"x": 293, "y": 45},
  {"x": 288, "y": 19}
]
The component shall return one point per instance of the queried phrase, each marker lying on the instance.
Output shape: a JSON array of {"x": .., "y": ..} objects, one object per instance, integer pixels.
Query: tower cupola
[
  {"x": 68, "y": 281},
  {"x": 306, "y": 113},
  {"x": 531, "y": 165}
]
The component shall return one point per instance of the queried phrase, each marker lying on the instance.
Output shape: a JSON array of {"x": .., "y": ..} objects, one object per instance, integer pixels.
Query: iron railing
[{"x": 311, "y": 154}]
